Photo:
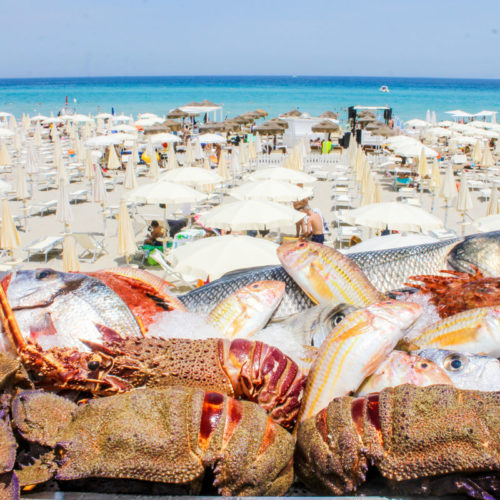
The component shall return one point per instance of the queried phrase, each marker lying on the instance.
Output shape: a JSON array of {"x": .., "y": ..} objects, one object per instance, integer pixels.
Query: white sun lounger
[
  {"x": 81, "y": 195},
  {"x": 170, "y": 274},
  {"x": 42, "y": 208},
  {"x": 92, "y": 244},
  {"x": 44, "y": 246}
]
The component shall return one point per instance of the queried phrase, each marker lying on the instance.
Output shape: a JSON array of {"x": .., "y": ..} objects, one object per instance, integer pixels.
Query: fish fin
[
  {"x": 42, "y": 328},
  {"x": 142, "y": 328},
  {"x": 108, "y": 334}
]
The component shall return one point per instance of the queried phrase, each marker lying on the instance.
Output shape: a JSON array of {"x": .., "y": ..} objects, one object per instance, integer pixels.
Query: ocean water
[{"x": 409, "y": 97}]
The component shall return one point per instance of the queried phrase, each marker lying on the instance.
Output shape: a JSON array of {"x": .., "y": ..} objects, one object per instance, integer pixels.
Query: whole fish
[
  {"x": 311, "y": 326},
  {"x": 466, "y": 370},
  {"x": 247, "y": 310},
  {"x": 390, "y": 269},
  {"x": 327, "y": 276},
  {"x": 58, "y": 309},
  {"x": 403, "y": 368},
  {"x": 476, "y": 331},
  {"x": 203, "y": 299},
  {"x": 354, "y": 350}
]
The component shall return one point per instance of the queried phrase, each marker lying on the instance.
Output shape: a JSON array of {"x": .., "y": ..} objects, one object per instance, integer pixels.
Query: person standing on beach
[{"x": 314, "y": 225}]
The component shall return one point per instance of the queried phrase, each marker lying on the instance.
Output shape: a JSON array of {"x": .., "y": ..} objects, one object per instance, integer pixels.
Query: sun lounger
[
  {"x": 174, "y": 277},
  {"x": 42, "y": 208},
  {"x": 44, "y": 246},
  {"x": 443, "y": 234},
  {"x": 81, "y": 195},
  {"x": 92, "y": 244}
]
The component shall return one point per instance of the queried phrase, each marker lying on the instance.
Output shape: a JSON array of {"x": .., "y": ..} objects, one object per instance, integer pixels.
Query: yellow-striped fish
[
  {"x": 476, "y": 331},
  {"x": 353, "y": 351},
  {"x": 247, "y": 310},
  {"x": 327, "y": 276}
]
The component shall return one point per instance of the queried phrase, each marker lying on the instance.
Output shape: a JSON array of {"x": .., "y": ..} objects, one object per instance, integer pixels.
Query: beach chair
[
  {"x": 42, "y": 208},
  {"x": 77, "y": 196},
  {"x": 174, "y": 277},
  {"x": 92, "y": 244},
  {"x": 44, "y": 246}
]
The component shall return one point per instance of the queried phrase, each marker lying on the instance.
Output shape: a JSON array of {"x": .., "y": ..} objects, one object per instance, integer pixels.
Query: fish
[
  {"x": 403, "y": 368},
  {"x": 57, "y": 309},
  {"x": 327, "y": 276},
  {"x": 203, "y": 299},
  {"x": 390, "y": 269},
  {"x": 310, "y": 327},
  {"x": 466, "y": 371},
  {"x": 247, "y": 310},
  {"x": 353, "y": 350},
  {"x": 475, "y": 331},
  {"x": 479, "y": 251}
]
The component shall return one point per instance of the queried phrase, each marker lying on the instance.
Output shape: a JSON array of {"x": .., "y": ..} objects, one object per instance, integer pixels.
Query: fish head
[
  {"x": 481, "y": 251},
  {"x": 400, "y": 314},
  {"x": 262, "y": 295},
  {"x": 298, "y": 255},
  {"x": 39, "y": 287},
  {"x": 492, "y": 318}
]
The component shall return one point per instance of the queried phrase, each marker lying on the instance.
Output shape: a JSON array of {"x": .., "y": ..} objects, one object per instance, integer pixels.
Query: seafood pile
[{"x": 324, "y": 369}]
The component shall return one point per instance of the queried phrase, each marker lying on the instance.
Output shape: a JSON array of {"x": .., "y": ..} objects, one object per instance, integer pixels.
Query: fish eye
[
  {"x": 337, "y": 319},
  {"x": 93, "y": 365},
  {"x": 255, "y": 285},
  {"x": 454, "y": 362},
  {"x": 424, "y": 365},
  {"x": 40, "y": 275}
]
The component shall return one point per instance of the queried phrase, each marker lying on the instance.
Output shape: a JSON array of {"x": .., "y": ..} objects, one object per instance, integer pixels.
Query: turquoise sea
[{"x": 409, "y": 97}]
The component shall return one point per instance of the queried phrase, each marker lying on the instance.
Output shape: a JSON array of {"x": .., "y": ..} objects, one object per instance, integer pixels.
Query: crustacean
[
  {"x": 170, "y": 435},
  {"x": 406, "y": 432},
  {"x": 458, "y": 292}
]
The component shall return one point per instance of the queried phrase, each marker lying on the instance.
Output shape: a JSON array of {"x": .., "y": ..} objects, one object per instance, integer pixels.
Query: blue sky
[{"x": 428, "y": 38}]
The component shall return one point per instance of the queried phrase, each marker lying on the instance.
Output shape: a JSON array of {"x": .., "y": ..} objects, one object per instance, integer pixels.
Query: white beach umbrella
[
  {"x": 5, "y": 133},
  {"x": 130, "y": 181},
  {"x": 164, "y": 137},
  {"x": 63, "y": 210},
  {"x": 70, "y": 257},
  {"x": 417, "y": 123},
  {"x": 395, "y": 216},
  {"x": 89, "y": 166},
  {"x": 235, "y": 163},
  {"x": 165, "y": 192},
  {"x": 5, "y": 187},
  {"x": 33, "y": 161},
  {"x": 5, "y": 159},
  {"x": 464, "y": 200},
  {"x": 222, "y": 169},
  {"x": 270, "y": 190},
  {"x": 188, "y": 156},
  {"x": 114, "y": 162},
  {"x": 197, "y": 151},
  {"x": 258, "y": 143},
  {"x": 423, "y": 168},
  {"x": 477, "y": 152},
  {"x": 99, "y": 193},
  {"x": 154, "y": 168},
  {"x": 487, "y": 160},
  {"x": 250, "y": 214},
  {"x": 489, "y": 223},
  {"x": 37, "y": 137},
  {"x": 126, "y": 236},
  {"x": 213, "y": 257},
  {"x": 9, "y": 237},
  {"x": 212, "y": 139},
  {"x": 448, "y": 190},
  {"x": 493, "y": 203},
  {"x": 172, "y": 159},
  {"x": 192, "y": 176},
  {"x": 21, "y": 186},
  {"x": 282, "y": 174}
]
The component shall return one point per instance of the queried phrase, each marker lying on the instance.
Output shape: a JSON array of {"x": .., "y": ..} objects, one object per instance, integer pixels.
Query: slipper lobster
[
  {"x": 167, "y": 435},
  {"x": 406, "y": 432}
]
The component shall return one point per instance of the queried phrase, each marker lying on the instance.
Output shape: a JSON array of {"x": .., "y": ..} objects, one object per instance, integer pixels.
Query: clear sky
[{"x": 427, "y": 38}]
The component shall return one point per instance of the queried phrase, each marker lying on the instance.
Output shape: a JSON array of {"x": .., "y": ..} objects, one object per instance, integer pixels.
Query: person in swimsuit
[{"x": 314, "y": 225}]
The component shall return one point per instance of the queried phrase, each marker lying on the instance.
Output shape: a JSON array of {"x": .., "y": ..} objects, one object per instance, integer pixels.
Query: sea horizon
[{"x": 409, "y": 96}]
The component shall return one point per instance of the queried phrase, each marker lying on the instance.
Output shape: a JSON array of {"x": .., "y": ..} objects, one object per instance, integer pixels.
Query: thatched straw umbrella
[
  {"x": 177, "y": 113},
  {"x": 293, "y": 113},
  {"x": 243, "y": 119},
  {"x": 366, "y": 114},
  {"x": 373, "y": 125},
  {"x": 329, "y": 114},
  {"x": 158, "y": 128},
  {"x": 261, "y": 112},
  {"x": 270, "y": 128},
  {"x": 172, "y": 124},
  {"x": 213, "y": 127},
  {"x": 326, "y": 127},
  {"x": 385, "y": 131},
  {"x": 278, "y": 121}
]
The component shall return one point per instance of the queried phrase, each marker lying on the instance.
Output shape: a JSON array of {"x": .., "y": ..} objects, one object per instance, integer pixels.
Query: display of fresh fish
[
  {"x": 403, "y": 368},
  {"x": 327, "y": 276},
  {"x": 390, "y": 269},
  {"x": 311, "y": 326},
  {"x": 476, "y": 331},
  {"x": 58, "y": 309},
  {"x": 205, "y": 298},
  {"x": 247, "y": 310},
  {"x": 354, "y": 350},
  {"x": 466, "y": 370}
]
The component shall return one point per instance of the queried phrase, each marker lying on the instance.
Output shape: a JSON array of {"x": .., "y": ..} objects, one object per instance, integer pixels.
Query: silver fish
[
  {"x": 390, "y": 269},
  {"x": 311, "y": 327},
  {"x": 466, "y": 371},
  {"x": 58, "y": 309},
  {"x": 205, "y": 298}
]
